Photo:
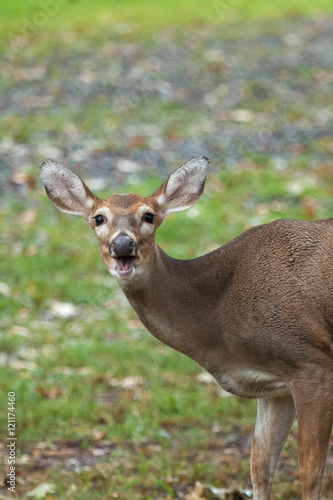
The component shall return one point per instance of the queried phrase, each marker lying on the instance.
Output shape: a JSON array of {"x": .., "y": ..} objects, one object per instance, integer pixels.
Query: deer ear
[
  {"x": 184, "y": 186},
  {"x": 66, "y": 190}
]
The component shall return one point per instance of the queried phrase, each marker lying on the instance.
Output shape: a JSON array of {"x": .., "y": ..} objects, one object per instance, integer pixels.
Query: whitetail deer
[{"x": 257, "y": 313}]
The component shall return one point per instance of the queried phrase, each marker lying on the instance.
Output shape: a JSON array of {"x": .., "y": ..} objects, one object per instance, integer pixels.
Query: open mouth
[{"x": 125, "y": 265}]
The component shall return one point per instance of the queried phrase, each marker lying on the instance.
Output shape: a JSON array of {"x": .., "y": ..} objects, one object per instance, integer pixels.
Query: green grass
[
  {"x": 40, "y": 20},
  {"x": 67, "y": 374},
  {"x": 78, "y": 426}
]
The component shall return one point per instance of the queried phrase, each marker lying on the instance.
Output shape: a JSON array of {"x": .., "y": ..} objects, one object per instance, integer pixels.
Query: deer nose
[{"x": 122, "y": 246}]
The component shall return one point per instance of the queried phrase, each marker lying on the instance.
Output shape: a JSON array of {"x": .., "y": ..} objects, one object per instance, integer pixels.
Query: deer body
[
  {"x": 244, "y": 315},
  {"x": 257, "y": 313}
]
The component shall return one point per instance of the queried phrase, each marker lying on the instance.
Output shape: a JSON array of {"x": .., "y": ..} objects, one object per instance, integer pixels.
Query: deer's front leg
[{"x": 274, "y": 420}]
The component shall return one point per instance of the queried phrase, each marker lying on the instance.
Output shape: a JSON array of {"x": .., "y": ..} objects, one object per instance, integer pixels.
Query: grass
[
  {"x": 103, "y": 410},
  {"x": 69, "y": 374},
  {"x": 41, "y": 20}
]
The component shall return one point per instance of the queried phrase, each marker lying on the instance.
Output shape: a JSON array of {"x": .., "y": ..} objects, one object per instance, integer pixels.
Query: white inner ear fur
[
  {"x": 59, "y": 180},
  {"x": 66, "y": 187},
  {"x": 188, "y": 180}
]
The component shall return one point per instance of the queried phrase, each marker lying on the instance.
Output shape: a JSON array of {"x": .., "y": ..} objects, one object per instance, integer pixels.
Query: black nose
[{"x": 122, "y": 246}]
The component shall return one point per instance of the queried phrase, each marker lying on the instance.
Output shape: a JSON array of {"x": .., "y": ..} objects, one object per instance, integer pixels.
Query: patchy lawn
[{"x": 103, "y": 410}]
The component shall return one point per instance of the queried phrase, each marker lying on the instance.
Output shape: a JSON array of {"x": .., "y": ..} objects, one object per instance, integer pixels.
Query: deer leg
[
  {"x": 274, "y": 420},
  {"x": 314, "y": 406}
]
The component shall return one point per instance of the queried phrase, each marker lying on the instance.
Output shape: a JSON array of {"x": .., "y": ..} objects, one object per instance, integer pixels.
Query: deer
[{"x": 256, "y": 313}]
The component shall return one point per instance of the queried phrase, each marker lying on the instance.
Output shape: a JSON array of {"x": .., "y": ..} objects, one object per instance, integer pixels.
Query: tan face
[{"x": 125, "y": 225}]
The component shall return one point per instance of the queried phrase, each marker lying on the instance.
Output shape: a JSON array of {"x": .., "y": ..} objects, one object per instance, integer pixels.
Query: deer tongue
[{"x": 125, "y": 265}]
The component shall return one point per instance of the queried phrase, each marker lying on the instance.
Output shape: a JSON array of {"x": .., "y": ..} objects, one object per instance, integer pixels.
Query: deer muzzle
[{"x": 124, "y": 250}]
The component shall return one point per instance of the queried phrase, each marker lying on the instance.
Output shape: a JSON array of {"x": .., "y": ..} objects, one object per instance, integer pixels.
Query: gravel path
[{"x": 113, "y": 107}]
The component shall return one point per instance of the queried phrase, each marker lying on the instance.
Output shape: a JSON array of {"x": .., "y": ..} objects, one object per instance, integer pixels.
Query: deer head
[{"x": 125, "y": 224}]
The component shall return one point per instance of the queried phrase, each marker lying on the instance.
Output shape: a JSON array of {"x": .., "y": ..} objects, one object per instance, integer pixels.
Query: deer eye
[
  {"x": 99, "y": 219},
  {"x": 148, "y": 218}
]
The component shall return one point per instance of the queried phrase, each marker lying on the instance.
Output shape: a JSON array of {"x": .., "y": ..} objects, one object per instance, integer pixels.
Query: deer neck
[{"x": 173, "y": 299}]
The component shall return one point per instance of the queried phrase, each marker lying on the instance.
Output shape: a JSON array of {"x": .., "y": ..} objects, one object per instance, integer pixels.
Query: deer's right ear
[{"x": 66, "y": 190}]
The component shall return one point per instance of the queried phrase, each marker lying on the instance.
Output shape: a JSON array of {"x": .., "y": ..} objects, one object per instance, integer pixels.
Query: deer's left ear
[
  {"x": 66, "y": 190},
  {"x": 184, "y": 186}
]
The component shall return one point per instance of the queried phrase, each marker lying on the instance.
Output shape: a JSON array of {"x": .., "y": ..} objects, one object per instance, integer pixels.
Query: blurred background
[{"x": 122, "y": 92}]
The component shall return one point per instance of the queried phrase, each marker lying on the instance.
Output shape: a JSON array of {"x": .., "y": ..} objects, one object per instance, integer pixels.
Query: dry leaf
[
  {"x": 126, "y": 383},
  {"x": 4, "y": 289},
  {"x": 29, "y": 216},
  {"x": 22, "y": 331},
  {"x": 197, "y": 492},
  {"x": 62, "y": 452},
  {"x": 17, "y": 364},
  {"x": 53, "y": 392},
  {"x": 22, "y": 179},
  {"x": 311, "y": 207},
  {"x": 128, "y": 166},
  {"x": 41, "y": 490},
  {"x": 64, "y": 310},
  {"x": 213, "y": 493},
  {"x": 98, "y": 434}
]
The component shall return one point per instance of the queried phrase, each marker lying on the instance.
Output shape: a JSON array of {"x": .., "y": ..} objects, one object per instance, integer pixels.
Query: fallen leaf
[
  {"x": 128, "y": 166},
  {"x": 29, "y": 216},
  {"x": 33, "y": 102},
  {"x": 22, "y": 331},
  {"x": 53, "y": 392},
  {"x": 126, "y": 383},
  {"x": 64, "y": 310},
  {"x": 34, "y": 73},
  {"x": 138, "y": 141},
  {"x": 241, "y": 115},
  {"x": 22, "y": 179},
  {"x": 197, "y": 492},
  {"x": 41, "y": 490},
  {"x": 4, "y": 289},
  {"x": 212, "y": 493},
  {"x": 311, "y": 207},
  {"x": 17, "y": 364},
  {"x": 61, "y": 453},
  {"x": 98, "y": 434}
]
